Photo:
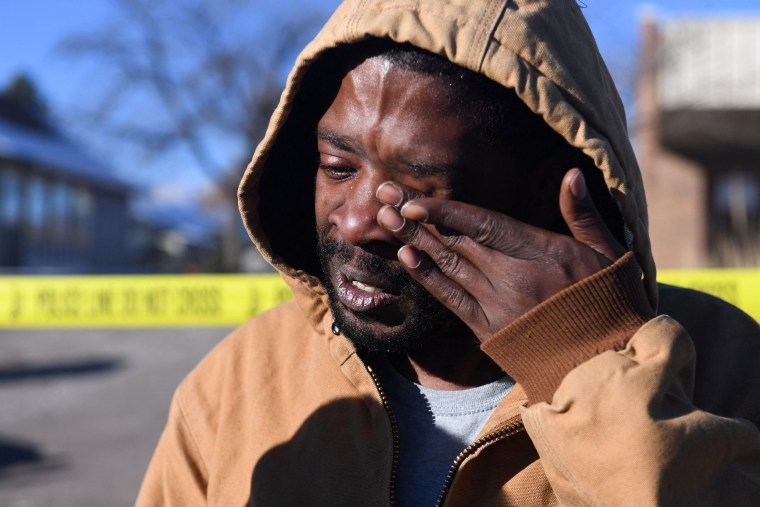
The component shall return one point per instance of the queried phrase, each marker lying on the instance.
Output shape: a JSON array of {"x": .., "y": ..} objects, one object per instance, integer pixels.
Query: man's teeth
[{"x": 365, "y": 288}]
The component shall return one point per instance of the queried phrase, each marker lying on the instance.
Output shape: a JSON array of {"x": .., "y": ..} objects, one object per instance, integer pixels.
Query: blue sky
[{"x": 31, "y": 29}]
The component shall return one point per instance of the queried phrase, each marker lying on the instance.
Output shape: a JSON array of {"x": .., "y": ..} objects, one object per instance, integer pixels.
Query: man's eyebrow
[
  {"x": 339, "y": 141},
  {"x": 431, "y": 169}
]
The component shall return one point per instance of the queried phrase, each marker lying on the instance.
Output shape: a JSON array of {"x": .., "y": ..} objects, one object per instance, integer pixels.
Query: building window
[
  {"x": 10, "y": 197},
  {"x": 62, "y": 210},
  {"x": 34, "y": 204},
  {"x": 82, "y": 212},
  {"x": 735, "y": 224}
]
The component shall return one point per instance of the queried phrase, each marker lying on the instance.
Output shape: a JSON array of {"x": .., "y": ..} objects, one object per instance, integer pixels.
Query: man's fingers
[
  {"x": 466, "y": 229},
  {"x": 457, "y": 277},
  {"x": 455, "y": 220},
  {"x": 582, "y": 218},
  {"x": 410, "y": 232},
  {"x": 450, "y": 293},
  {"x": 460, "y": 225},
  {"x": 395, "y": 195},
  {"x": 441, "y": 271}
]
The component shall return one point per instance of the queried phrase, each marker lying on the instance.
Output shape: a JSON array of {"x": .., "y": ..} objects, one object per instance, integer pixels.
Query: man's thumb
[{"x": 583, "y": 219}]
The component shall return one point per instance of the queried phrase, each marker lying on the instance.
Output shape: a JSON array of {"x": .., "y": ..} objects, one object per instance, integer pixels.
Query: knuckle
[
  {"x": 455, "y": 300},
  {"x": 489, "y": 231},
  {"x": 409, "y": 233},
  {"x": 448, "y": 262},
  {"x": 454, "y": 241},
  {"x": 586, "y": 220},
  {"x": 418, "y": 236}
]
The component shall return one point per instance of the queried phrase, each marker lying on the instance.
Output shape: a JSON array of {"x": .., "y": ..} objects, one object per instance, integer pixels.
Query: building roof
[{"x": 53, "y": 153}]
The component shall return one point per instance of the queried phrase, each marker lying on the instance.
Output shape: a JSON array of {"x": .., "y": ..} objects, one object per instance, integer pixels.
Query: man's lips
[{"x": 358, "y": 295}]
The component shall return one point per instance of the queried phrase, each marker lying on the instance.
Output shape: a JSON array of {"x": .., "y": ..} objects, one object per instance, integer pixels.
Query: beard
[{"x": 416, "y": 320}]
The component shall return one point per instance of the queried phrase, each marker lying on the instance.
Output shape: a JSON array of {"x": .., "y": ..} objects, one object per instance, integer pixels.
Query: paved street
[{"x": 81, "y": 410}]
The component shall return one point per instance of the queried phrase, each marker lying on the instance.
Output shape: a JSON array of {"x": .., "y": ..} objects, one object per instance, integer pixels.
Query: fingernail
[
  {"x": 390, "y": 218},
  {"x": 414, "y": 211},
  {"x": 578, "y": 186},
  {"x": 409, "y": 257},
  {"x": 389, "y": 194}
]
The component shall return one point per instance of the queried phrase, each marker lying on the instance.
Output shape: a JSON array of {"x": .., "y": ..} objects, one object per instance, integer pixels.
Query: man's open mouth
[
  {"x": 360, "y": 296},
  {"x": 365, "y": 287}
]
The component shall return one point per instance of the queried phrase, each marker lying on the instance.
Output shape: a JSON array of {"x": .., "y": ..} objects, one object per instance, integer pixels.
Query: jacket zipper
[
  {"x": 500, "y": 434},
  {"x": 394, "y": 433}
]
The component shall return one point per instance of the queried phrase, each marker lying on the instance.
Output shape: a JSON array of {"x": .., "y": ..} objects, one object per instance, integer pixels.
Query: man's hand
[{"x": 489, "y": 268}]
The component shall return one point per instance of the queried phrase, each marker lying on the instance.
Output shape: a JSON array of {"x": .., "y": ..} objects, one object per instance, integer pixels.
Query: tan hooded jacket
[{"x": 613, "y": 405}]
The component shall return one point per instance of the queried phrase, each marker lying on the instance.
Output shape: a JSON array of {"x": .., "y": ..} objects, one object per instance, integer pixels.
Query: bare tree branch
[{"x": 187, "y": 73}]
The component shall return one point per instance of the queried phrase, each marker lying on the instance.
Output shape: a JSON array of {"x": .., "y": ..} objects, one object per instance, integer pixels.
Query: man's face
[{"x": 388, "y": 123}]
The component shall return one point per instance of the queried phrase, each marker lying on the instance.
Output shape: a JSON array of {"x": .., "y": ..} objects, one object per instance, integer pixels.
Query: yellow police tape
[
  {"x": 740, "y": 287},
  {"x": 229, "y": 300},
  {"x": 137, "y": 301}
]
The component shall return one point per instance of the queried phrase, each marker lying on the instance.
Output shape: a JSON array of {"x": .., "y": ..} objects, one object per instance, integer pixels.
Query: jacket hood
[{"x": 542, "y": 49}]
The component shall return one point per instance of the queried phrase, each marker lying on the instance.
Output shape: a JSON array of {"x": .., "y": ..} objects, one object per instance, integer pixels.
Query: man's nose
[{"x": 356, "y": 217}]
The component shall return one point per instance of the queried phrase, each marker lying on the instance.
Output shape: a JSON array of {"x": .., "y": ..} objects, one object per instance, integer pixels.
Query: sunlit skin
[{"x": 397, "y": 165}]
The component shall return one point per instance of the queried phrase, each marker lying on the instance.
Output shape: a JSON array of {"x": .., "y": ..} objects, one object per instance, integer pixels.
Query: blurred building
[
  {"x": 60, "y": 210},
  {"x": 175, "y": 238},
  {"x": 698, "y": 135}
]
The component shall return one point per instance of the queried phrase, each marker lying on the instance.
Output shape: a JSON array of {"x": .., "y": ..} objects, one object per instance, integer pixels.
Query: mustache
[{"x": 332, "y": 250}]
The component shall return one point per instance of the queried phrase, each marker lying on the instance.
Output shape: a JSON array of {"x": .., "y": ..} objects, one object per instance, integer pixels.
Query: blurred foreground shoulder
[{"x": 727, "y": 345}]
